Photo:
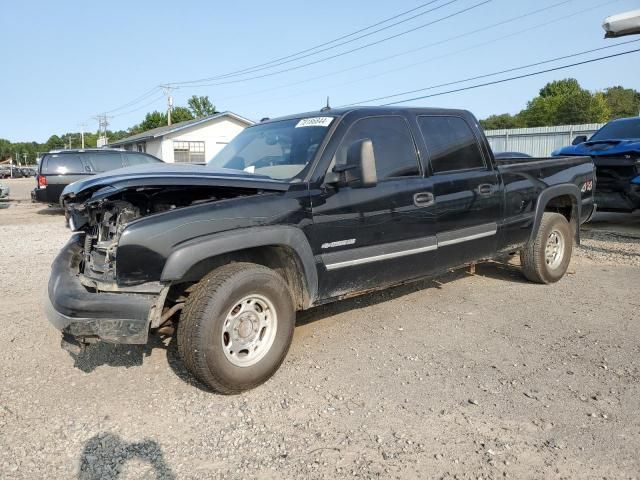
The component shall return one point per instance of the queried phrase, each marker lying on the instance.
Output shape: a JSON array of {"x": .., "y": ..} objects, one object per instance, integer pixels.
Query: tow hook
[{"x": 74, "y": 345}]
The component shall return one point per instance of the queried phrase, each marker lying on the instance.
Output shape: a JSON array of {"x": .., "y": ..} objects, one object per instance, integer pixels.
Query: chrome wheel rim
[
  {"x": 554, "y": 250},
  {"x": 249, "y": 330}
]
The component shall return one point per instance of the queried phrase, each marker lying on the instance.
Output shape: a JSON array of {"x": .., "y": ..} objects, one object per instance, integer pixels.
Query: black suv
[{"x": 60, "y": 168}]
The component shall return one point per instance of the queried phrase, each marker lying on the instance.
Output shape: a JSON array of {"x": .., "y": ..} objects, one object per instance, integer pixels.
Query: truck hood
[
  {"x": 166, "y": 175},
  {"x": 601, "y": 148}
]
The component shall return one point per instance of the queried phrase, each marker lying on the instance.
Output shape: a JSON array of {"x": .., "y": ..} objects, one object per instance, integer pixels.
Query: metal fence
[{"x": 538, "y": 141}]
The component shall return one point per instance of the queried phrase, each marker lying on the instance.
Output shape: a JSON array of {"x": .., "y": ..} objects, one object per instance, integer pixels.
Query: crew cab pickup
[
  {"x": 296, "y": 212},
  {"x": 615, "y": 150}
]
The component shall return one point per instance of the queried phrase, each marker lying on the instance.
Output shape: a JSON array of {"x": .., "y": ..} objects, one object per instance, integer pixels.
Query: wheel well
[
  {"x": 567, "y": 206},
  {"x": 563, "y": 204},
  {"x": 280, "y": 258}
]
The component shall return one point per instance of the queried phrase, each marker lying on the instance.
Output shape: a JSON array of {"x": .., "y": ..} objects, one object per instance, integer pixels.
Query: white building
[{"x": 191, "y": 141}]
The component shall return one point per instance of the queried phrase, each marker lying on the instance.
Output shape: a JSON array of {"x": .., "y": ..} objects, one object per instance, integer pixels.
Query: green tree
[
  {"x": 496, "y": 122},
  {"x": 157, "y": 119},
  {"x": 54, "y": 142},
  {"x": 599, "y": 109},
  {"x": 5, "y": 149},
  {"x": 201, "y": 106},
  {"x": 573, "y": 109},
  {"x": 564, "y": 102},
  {"x": 540, "y": 111},
  {"x": 117, "y": 135},
  {"x": 151, "y": 120},
  {"x": 623, "y": 102},
  {"x": 561, "y": 88},
  {"x": 181, "y": 114}
]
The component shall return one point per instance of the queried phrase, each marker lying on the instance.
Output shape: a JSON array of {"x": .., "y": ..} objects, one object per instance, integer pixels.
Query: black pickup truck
[{"x": 296, "y": 212}]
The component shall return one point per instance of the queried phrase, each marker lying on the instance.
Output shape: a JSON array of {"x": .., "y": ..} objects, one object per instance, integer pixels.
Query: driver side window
[{"x": 393, "y": 145}]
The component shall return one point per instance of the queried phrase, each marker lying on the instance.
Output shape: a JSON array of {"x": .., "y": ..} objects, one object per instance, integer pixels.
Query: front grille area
[{"x": 615, "y": 173}]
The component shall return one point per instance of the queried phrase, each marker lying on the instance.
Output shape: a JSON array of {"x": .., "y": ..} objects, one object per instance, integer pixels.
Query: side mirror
[
  {"x": 360, "y": 168},
  {"x": 579, "y": 139}
]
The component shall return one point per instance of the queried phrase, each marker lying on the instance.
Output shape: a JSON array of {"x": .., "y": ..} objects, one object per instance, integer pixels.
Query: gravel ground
[{"x": 471, "y": 376}]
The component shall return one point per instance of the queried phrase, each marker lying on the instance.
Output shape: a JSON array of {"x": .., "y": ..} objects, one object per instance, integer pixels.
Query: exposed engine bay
[{"x": 104, "y": 220}]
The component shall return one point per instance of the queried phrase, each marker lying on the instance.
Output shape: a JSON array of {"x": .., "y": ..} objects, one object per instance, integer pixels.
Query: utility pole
[
  {"x": 167, "y": 91},
  {"x": 82, "y": 128},
  {"x": 103, "y": 123}
]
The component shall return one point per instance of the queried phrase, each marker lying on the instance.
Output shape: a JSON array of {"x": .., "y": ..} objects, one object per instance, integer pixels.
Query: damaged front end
[
  {"x": 86, "y": 315},
  {"x": 97, "y": 293},
  {"x": 103, "y": 220},
  {"x": 616, "y": 189}
]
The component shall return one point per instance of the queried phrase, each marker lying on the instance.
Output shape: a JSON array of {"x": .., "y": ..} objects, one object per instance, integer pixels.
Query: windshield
[
  {"x": 624, "y": 130},
  {"x": 280, "y": 150}
]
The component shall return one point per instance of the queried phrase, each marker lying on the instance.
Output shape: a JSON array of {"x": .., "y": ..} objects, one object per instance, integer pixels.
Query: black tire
[
  {"x": 200, "y": 330},
  {"x": 534, "y": 256}
]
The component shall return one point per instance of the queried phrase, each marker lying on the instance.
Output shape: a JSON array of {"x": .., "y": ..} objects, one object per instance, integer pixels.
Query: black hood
[{"x": 164, "y": 175}]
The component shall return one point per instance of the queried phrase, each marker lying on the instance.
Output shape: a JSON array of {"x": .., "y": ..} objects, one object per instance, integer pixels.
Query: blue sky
[{"x": 64, "y": 62}]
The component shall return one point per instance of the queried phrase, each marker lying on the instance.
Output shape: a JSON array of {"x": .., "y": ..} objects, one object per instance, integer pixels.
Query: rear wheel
[
  {"x": 547, "y": 257},
  {"x": 236, "y": 327}
]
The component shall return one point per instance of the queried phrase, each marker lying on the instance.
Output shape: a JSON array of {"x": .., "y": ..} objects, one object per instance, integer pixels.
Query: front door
[
  {"x": 466, "y": 188},
  {"x": 365, "y": 238}
]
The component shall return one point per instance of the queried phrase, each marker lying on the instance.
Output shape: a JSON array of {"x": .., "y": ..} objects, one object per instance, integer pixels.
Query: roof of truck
[{"x": 338, "y": 112}]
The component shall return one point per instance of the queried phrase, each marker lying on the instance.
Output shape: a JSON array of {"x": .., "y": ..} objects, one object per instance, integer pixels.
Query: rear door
[
  {"x": 466, "y": 188},
  {"x": 371, "y": 237},
  {"x": 61, "y": 169}
]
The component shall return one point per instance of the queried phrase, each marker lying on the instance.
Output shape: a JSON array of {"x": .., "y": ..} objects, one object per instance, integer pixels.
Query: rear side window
[
  {"x": 138, "y": 159},
  {"x": 392, "y": 143},
  {"x": 63, "y": 163},
  {"x": 104, "y": 161},
  {"x": 451, "y": 144}
]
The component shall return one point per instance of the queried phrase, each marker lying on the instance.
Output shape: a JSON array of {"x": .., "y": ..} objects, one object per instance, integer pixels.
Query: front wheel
[
  {"x": 547, "y": 257},
  {"x": 236, "y": 327}
]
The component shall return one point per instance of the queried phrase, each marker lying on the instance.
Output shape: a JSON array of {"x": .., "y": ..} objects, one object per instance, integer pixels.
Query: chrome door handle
[
  {"x": 423, "y": 199},
  {"x": 485, "y": 189}
]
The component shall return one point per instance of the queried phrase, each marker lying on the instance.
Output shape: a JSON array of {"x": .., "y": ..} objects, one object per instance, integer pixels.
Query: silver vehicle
[{"x": 4, "y": 191}]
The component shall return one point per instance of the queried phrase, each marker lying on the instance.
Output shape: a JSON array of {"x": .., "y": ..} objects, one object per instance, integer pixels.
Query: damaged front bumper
[
  {"x": 622, "y": 200},
  {"x": 617, "y": 189},
  {"x": 87, "y": 316}
]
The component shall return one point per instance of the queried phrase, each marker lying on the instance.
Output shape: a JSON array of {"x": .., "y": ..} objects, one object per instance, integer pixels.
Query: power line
[
  {"x": 137, "y": 109},
  {"x": 296, "y": 54},
  {"x": 150, "y": 92},
  {"x": 385, "y": 39},
  {"x": 509, "y": 79},
  {"x": 477, "y": 77},
  {"x": 303, "y": 54},
  {"x": 155, "y": 89},
  {"x": 138, "y": 99},
  {"x": 413, "y": 64}
]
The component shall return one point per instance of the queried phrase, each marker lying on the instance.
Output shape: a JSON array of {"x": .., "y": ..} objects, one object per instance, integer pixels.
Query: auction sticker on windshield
[{"x": 315, "y": 122}]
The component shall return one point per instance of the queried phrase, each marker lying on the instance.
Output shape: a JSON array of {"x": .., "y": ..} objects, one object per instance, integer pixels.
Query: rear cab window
[
  {"x": 62, "y": 164},
  {"x": 451, "y": 144}
]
